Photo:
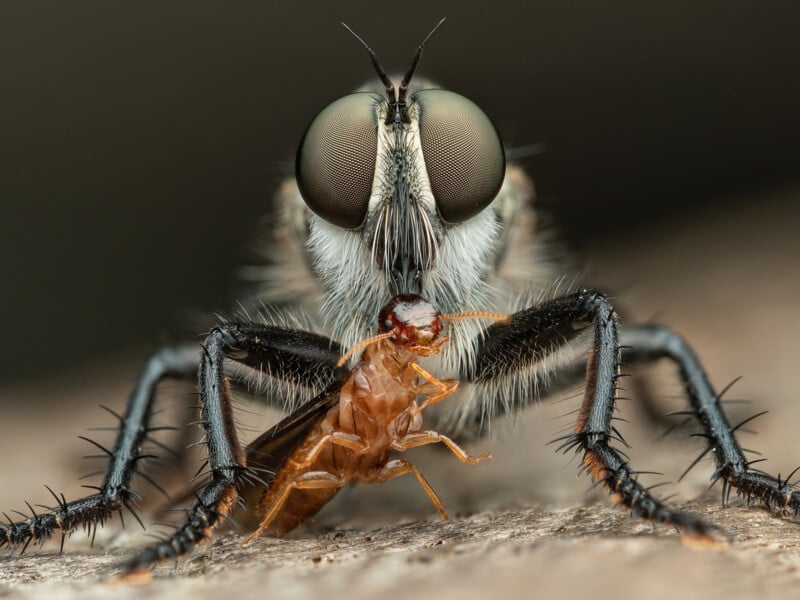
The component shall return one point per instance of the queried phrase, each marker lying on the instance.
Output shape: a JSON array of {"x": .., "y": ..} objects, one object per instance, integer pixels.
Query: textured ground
[{"x": 523, "y": 523}]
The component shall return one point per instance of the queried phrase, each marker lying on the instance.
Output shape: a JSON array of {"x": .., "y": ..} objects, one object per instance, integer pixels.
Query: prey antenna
[
  {"x": 361, "y": 345},
  {"x": 387, "y": 83}
]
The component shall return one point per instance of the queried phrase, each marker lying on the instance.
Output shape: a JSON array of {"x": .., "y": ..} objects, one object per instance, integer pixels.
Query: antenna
[
  {"x": 397, "y": 98},
  {"x": 401, "y": 98},
  {"x": 387, "y": 83}
]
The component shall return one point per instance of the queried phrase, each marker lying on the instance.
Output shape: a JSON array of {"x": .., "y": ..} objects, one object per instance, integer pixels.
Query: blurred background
[
  {"x": 140, "y": 146},
  {"x": 141, "y": 143}
]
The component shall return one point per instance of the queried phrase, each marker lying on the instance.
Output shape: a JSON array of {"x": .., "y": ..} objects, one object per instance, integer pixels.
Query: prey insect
[
  {"x": 374, "y": 412},
  {"x": 401, "y": 191}
]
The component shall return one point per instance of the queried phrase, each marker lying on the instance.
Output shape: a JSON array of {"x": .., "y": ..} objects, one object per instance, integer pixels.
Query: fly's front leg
[
  {"x": 532, "y": 335},
  {"x": 295, "y": 356},
  {"x": 652, "y": 342},
  {"x": 134, "y": 428}
]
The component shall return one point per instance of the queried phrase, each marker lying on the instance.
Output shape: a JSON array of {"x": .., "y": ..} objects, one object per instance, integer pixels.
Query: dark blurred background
[{"x": 140, "y": 143}]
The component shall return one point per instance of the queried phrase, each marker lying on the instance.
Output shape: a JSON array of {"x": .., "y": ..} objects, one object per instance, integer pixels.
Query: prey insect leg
[
  {"x": 401, "y": 466},
  {"x": 437, "y": 388},
  {"x": 531, "y": 335},
  {"x": 179, "y": 362},
  {"x": 423, "y": 438},
  {"x": 311, "y": 480}
]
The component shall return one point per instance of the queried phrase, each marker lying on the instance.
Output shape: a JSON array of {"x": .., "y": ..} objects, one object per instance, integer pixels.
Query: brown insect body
[{"x": 377, "y": 413}]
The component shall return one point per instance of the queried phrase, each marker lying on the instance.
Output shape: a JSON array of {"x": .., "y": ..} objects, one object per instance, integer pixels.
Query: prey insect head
[{"x": 412, "y": 321}]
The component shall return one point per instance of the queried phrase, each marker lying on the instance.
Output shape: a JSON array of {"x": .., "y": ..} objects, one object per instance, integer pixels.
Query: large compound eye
[
  {"x": 463, "y": 153},
  {"x": 336, "y": 159}
]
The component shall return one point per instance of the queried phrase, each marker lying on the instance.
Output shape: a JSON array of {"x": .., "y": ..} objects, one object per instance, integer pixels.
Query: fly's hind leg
[
  {"x": 115, "y": 493},
  {"x": 652, "y": 342}
]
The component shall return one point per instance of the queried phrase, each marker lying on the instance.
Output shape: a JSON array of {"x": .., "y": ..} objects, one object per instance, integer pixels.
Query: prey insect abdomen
[
  {"x": 376, "y": 414},
  {"x": 351, "y": 443},
  {"x": 297, "y": 505}
]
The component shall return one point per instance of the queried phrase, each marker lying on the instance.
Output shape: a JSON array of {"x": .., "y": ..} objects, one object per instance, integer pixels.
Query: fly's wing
[
  {"x": 267, "y": 453},
  {"x": 271, "y": 448}
]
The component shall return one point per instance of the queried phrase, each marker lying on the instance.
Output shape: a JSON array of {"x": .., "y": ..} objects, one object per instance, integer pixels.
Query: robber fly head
[{"x": 399, "y": 169}]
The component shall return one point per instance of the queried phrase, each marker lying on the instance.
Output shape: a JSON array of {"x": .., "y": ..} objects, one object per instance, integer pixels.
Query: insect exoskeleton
[{"x": 376, "y": 415}]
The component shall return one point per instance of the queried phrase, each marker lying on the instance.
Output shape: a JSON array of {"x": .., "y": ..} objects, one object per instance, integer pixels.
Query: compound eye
[
  {"x": 463, "y": 153},
  {"x": 336, "y": 159}
]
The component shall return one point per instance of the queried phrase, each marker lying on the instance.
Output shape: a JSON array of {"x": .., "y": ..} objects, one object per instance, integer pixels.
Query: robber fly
[{"x": 403, "y": 191}]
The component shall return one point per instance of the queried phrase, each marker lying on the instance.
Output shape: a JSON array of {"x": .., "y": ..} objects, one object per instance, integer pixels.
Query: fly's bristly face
[{"x": 400, "y": 182}]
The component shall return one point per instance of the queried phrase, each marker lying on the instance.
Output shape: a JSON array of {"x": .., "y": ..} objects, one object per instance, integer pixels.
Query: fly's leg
[
  {"x": 652, "y": 342},
  {"x": 400, "y": 466},
  {"x": 422, "y": 438},
  {"x": 115, "y": 493},
  {"x": 529, "y": 336},
  {"x": 294, "y": 356}
]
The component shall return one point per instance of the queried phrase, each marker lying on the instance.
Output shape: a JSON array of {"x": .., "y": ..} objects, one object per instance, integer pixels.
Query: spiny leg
[
  {"x": 294, "y": 356},
  {"x": 652, "y": 342},
  {"x": 529, "y": 336},
  {"x": 134, "y": 429},
  {"x": 401, "y": 466},
  {"x": 422, "y": 438}
]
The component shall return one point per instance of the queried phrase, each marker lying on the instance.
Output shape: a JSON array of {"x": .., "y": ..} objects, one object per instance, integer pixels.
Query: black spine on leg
[
  {"x": 652, "y": 342},
  {"x": 178, "y": 362},
  {"x": 291, "y": 355}
]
